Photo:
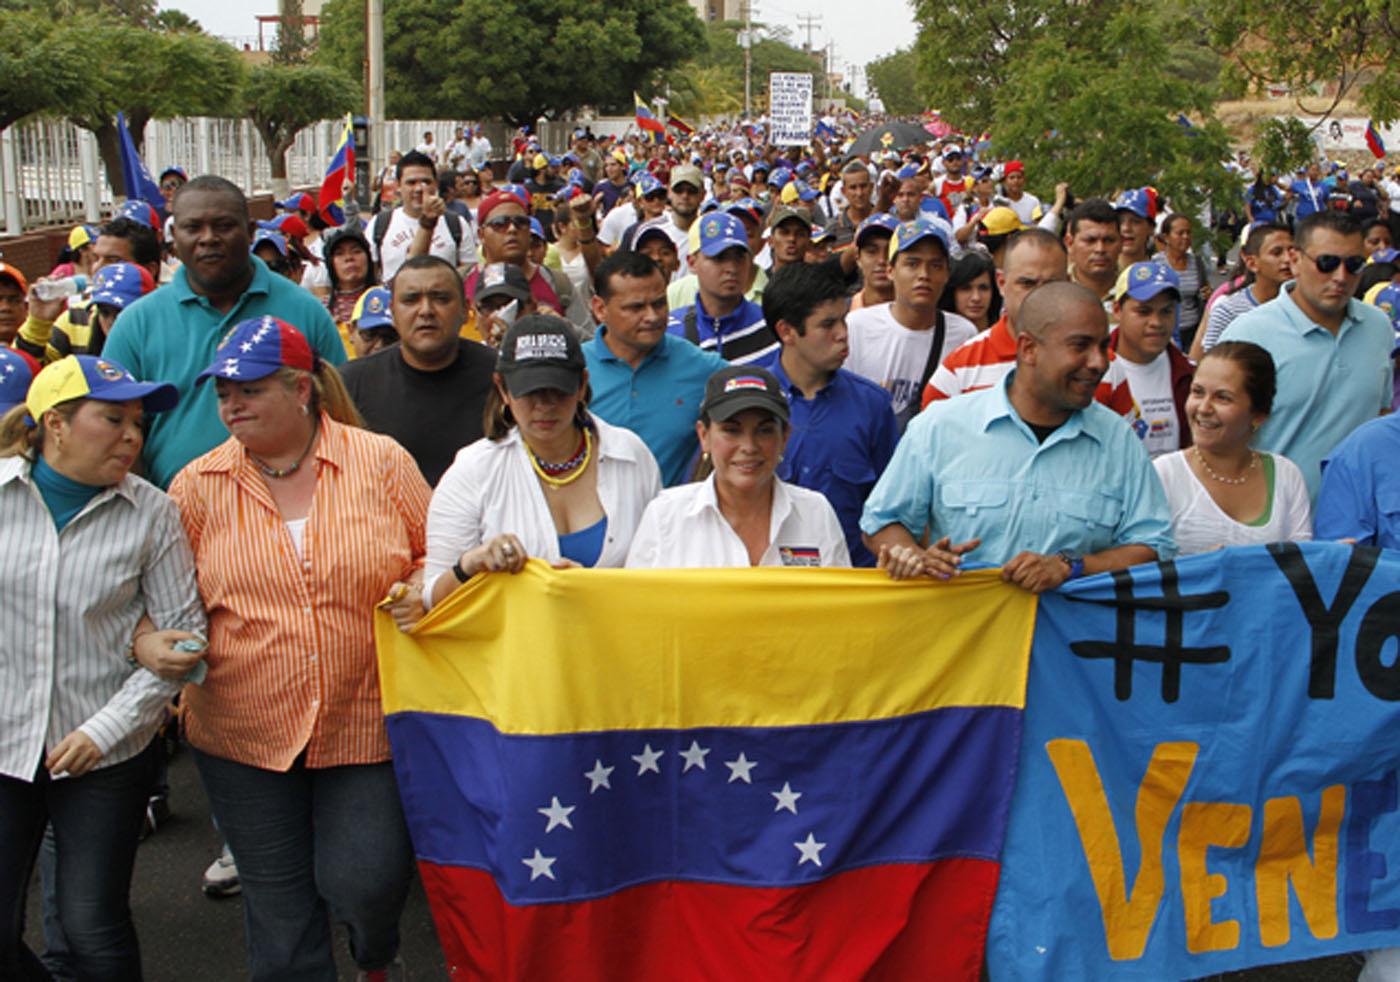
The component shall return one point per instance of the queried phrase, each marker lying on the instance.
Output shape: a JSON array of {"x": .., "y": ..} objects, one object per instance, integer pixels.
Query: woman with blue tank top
[{"x": 548, "y": 480}]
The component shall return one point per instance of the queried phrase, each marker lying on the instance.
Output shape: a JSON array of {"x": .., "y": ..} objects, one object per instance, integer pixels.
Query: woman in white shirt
[
  {"x": 1221, "y": 491},
  {"x": 742, "y": 515},
  {"x": 548, "y": 479}
]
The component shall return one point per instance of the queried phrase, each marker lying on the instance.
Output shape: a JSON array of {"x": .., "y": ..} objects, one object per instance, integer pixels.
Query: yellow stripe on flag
[{"x": 560, "y": 651}]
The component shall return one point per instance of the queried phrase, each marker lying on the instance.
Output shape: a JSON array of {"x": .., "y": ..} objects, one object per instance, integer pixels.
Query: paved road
[{"x": 186, "y": 937}]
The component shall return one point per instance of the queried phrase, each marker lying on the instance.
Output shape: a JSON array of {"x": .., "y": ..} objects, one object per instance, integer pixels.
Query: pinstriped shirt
[
  {"x": 291, "y": 657},
  {"x": 69, "y": 602}
]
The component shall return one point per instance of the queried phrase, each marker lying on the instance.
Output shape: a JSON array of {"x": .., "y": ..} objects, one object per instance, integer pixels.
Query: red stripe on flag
[{"x": 885, "y": 923}]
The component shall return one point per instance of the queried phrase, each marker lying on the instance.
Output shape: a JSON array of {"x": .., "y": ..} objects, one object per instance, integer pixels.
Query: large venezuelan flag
[
  {"x": 647, "y": 122},
  {"x": 710, "y": 774}
]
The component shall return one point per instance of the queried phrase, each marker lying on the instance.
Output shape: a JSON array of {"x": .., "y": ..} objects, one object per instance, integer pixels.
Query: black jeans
[{"x": 96, "y": 820}]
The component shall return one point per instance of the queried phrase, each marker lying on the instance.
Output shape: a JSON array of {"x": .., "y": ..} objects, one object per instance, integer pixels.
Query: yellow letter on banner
[
  {"x": 1283, "y": 856},
  {"x": 1205, "y": 824},
  {"x": 1127, "y": 920}
]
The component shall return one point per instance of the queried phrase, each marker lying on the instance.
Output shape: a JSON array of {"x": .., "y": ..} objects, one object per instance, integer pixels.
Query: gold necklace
[
  {"x": 1253, "y": 460},
  {"x": 555, "y": 483}
]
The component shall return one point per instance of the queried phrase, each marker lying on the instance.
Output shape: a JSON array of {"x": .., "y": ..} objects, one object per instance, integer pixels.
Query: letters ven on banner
[
  {"x": 710, "y": 774},
  {"x": 1208, "y": 770}
]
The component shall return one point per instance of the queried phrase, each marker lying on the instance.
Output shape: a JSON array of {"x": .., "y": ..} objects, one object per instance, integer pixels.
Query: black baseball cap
[
  {"x": 735, "y": 388},
  {"x": 541, "y": 351}
]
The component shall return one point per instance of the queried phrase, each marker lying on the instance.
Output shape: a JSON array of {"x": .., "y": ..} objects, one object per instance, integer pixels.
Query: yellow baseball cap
[{"x": 90, "y": 377}]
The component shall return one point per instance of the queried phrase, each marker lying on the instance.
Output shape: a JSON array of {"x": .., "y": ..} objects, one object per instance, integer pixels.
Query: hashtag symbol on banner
[{"x": 1172, "y": 654}]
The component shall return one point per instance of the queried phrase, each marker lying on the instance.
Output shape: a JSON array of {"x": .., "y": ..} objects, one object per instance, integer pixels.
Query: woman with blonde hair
[
  {"x": 300, "y": 523},
  {"x": 96, "y": 572}
]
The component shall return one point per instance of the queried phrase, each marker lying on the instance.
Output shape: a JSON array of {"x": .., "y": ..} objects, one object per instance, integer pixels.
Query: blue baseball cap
[
  {"x": 372, "y": 309},
  {"x": 1143, "y": 281},
  {"x": 537, "y": 230},
  {"x": 648, "y": 184},
  {"x": 258, "y": 347},
  {"x": 120, "y": 284},
  {"x": 907, "y": 171},
  {"x": 720, "y": 232},
  {"x": 15, "y": 375},
  {"x": 276, "y": 239},
  {"x": 1384, "y": 256},
  {"x": 90, "y": 377},
  {"x": 908, "y": 234},
  {"x": 778, "y": 177},
  {"x": 298, "y": 202},
  {"x": 1135, "y": 201},
  {"x": 140, "y": 211},
  {"x": 880, "y": 220},
  {"x": 745, "y": 207}
]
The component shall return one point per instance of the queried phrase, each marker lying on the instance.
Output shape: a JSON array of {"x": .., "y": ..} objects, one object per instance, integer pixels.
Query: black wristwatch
[
  {"x": 1075, "y": 561},
  {"x": 459, "y": 572}
]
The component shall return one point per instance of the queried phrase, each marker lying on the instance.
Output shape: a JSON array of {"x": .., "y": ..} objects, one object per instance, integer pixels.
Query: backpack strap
[
  {"x": 940, "y": 331},
  {"x": 692, "y": 329}
]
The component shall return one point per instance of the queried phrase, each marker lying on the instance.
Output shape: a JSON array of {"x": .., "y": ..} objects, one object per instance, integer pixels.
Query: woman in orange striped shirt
[{"x": 300, "y": 523}]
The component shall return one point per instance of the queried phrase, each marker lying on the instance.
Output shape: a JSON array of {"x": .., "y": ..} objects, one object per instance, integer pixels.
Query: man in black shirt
[{"x": 428, "y": 391}]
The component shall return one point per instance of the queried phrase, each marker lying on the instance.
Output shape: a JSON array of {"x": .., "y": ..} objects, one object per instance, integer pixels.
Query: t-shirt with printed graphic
[
  {"x": 1152, "y": 411},
  {"x": 894, "y": 357}
]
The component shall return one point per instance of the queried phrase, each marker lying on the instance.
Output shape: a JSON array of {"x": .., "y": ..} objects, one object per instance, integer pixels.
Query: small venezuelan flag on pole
[
  {"x": 648, "y": 123},
  {"x": 1373, "y": 139}
]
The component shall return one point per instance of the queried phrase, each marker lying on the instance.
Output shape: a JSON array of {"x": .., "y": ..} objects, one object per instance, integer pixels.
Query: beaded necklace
[
  {"x": 547, "y": 471},
  {"x": 268, "y": 471}
]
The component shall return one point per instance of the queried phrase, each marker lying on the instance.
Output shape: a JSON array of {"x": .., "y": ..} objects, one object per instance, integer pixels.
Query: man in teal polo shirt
[
  {"x": 1031, "y": 474},
  {"x": 1331, "y": 351},
  {"x": 642, "y": 378},
  {"x": 171, "y": 335}
]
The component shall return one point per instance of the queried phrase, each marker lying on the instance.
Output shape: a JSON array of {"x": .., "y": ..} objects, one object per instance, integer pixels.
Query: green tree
[
  {"x": 517, "y": 59},
  {"x": 721, "y": 61},
  {"x": 36, "y": 60},
  {"x": 1282, "y": 146},
  {"x": 1324, "y": 52},
  {"x": 894, "y": 78},
  {"x": 282, "y": 100},
  {"x": 293, "y": 48}
]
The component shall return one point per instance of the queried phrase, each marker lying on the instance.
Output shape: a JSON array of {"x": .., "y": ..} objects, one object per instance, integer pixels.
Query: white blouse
[
  {"x": 684, "y": 528},
  {"x": 1200, "y": 525},
  {"x": 491, "y": 489}
]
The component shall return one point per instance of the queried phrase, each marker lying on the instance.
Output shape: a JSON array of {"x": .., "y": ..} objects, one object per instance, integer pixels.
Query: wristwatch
[
  {"x": 1075, "y": 561},
  {"x": 459, "y": 572}
]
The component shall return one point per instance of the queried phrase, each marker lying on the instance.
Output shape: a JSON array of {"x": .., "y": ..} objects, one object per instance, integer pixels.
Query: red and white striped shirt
[
  {"x": 978, "y": 363},
  {"x": 292, "y": 663}
]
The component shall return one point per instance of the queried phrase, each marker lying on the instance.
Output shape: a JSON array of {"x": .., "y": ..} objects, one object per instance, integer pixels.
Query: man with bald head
[{"x": 1030, "y": 474}]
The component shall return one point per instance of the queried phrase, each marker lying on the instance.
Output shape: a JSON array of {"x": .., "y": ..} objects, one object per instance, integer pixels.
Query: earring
[{"x": 306, "y": 410}]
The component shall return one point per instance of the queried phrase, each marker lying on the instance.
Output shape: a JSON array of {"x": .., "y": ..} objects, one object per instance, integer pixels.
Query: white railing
[{"x": 51, "y": 173}]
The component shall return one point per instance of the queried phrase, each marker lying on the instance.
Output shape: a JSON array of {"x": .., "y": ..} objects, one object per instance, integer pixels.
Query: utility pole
[
  {"x": 374, "y": 84},
  {"x": 748, "y": 57},
  {"x": 808, "y": 21}
]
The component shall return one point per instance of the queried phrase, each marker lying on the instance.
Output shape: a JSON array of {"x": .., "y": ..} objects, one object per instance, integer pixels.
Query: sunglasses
[
  {"x": 503, "y": 222},
  {"x": 1328, "y": 262},
  {"x": 170, "y": 185}
]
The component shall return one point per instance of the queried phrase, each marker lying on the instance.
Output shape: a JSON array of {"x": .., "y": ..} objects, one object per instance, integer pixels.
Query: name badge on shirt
[{"x": 800, "y": 555}]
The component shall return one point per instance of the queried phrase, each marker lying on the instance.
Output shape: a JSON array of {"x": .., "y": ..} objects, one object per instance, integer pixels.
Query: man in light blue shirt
[
  {"x": 1331, "y": 351},
  {"x": 1360, "y": 496},
  {"x": 642, "y": 378},
  {"x": 171, "y": 335},
  {"x": 1031, "y": 475}
]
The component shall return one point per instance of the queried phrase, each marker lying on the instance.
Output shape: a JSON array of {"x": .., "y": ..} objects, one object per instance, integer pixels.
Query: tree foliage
[
  {"x": 721, "y": 61},
  {"x": 282, "y": 100},
  {"x": 1284, "y": 145},
  {"x": 894, "y": 78},
  {"x": 518, "y": 59},
  {"x": 36, "y": 60},
  {"x": 1086, "y": 92},
  {"x": 1325, "y": 51}
]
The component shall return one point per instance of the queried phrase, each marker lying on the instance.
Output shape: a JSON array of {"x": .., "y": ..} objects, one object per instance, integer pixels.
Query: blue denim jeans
[
  {"x": 313, "y": 842},
  {"x": 96, "y": 819}
]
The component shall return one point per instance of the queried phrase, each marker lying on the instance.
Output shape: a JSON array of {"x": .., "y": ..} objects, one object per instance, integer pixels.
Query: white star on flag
[
  {"x": 646, "y": 760},
  {"x": 787, "y": 798},
  {"x": 231, "y": 366},
  {"x": 599, "y": 777},
  {"x": 695, "y": 756},
  {"x": 246, "y": 346},
  {"x": 809, "y": 848},
  {"x": 739, "y": 769},
  {"x": 540, "y": 865},
  {"x": 557, "y": 814}
]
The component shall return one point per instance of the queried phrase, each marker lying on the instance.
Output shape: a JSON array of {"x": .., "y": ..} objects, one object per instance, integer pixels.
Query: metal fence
[{"x": 51, "y": 173}]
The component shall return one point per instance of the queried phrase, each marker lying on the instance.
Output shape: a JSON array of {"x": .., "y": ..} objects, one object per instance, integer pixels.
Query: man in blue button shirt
[
  {"x": 1330, "y": 350},
  {"x": 721, "y": 319},
  {"x": 843, "y": 431},
  {"x": 643, "y": 378},
  {"x": 171, "y": 335},
  {"x": 1031, "y": 475}
]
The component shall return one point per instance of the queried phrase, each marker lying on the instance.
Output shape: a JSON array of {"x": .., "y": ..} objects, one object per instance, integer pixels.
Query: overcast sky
[{"x": 862, "y": 29}]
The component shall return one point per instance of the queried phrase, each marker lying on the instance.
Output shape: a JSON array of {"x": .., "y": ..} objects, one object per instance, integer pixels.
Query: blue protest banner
[{"x": 1208, "y": 769}]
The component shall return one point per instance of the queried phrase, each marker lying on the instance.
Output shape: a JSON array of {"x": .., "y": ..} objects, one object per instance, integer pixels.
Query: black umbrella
[{"x": 890, "y": 136}]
